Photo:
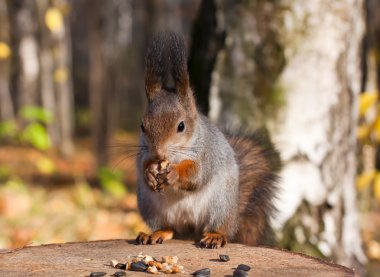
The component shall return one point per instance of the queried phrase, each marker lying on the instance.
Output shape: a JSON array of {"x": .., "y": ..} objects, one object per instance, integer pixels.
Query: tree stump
[{"x": 82, "y": 258}]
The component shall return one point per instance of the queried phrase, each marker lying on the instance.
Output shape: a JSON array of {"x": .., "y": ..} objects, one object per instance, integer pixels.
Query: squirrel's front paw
[
  {"x": 158, "y": 236},
  {"x": 151, "y": 179},
  {"x": 169, "y": 177},
  {"x": 172, "y": 175},
  {"x": 213, "y": 240}
]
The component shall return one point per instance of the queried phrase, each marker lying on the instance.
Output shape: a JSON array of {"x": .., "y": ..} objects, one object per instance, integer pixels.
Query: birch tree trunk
[
  {"x": 23, "y": 40},
  {"x": 64, "y": 86},
  {"x": 294, "y": 67},
  {"x": 48, "y": 95}
]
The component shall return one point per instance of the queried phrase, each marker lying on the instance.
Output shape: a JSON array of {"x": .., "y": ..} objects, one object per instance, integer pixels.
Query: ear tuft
[
  {"x": 156, "y": 65},
  {"x": 166, "y": 56},
  {"x": 178, "y": 58}
]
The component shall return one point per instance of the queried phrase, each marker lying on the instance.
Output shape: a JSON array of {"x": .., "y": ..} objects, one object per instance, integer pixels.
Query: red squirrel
[{"x": 193, "y": 180}]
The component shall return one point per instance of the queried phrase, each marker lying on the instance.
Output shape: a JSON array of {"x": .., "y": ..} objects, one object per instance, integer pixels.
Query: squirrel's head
[{"x": 171, "y": 116}]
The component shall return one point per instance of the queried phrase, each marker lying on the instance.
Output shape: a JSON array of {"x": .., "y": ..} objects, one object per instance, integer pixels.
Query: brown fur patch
[
  {"x": 258, "y": 165},
  {"x": 186, "y": 169}
]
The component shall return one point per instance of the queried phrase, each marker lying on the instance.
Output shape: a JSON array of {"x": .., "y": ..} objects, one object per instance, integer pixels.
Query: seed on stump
[
  {"x": 224, "y": 258},
  {"x": 120, "y": 274},
  {"x": 243, "y": 267},
  {"x": 120, "y": 266},
  {"x": 139, "y": 266},
  {"x": 97, "y": 274},
  {"x": 204, "y": 272},
  {"x": 240, "y": 273}
]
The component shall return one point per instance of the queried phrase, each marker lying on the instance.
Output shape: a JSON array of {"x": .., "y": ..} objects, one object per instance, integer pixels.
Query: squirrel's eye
[
  {"x": 142, "y": 127},
  {"x": 181, "y": 127}
]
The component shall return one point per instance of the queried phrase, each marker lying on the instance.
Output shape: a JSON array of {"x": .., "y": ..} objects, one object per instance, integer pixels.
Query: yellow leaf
[
  {"x": 376, "y": 128},
  {"x": 60, "y": 75},
  {"x": 366, "y": 100},
  {"x": 376, "y": 186},
  {"x": 363, "y": 132},
  {"x": 365, "y": 179},
  {"x": 5, "y": 50},
  {"x": 54, "y": 20},
  {"x": 373, "y": 249},
  {"x": 45, "y": 165}
]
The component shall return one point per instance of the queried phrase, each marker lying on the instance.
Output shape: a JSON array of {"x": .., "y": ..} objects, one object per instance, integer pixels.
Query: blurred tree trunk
[
  {"x": 373, "y": 35},
  {"x": 56, "y": 81},
  {"x": 25, "y": 60},
  {"x": 48, "y": 95},
  {"x": 371, "y": 56},
  {"x": 63, "y": 84},
  {"x": 293, "y": 66},
  {"x": 97, "y": 81},
  {"x": 102, "y": 61},
  {"x": 6, "y": 106},
  {"x": 207, "y": 40}
]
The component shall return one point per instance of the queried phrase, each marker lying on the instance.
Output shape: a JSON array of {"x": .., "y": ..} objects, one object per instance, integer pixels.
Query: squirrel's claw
[
  {"x": 156, "y": 237},
  {"x": 142, "y": 238},
  {"x": 150, "y": 177},
  {"x": 213, "y": 240}
]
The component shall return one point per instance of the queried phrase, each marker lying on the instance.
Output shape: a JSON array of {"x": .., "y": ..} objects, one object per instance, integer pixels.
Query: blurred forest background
[{"x": 72, "y": 94}]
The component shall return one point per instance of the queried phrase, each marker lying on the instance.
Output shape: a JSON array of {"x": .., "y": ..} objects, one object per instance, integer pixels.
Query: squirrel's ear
[
  {"x": 153, "y": 84},
  {"x": 178, "y": 59},
  {"x": 156, "y": 65},
  {"x": 182, "y": 86}
]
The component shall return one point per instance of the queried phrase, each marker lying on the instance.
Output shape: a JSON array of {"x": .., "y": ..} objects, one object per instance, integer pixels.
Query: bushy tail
[
  {"x": 166, "y": 59},
  {"x": 258, "y": 163}
]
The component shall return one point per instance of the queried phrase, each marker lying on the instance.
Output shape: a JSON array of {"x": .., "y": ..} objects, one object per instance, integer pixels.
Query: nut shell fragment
[
  {"x": 152, "y": 270},
  {"x": 175, "y": 269},
  {"x": 114, "y": 263},
  {"x": 170, "y": 259},
  {"x": 147, "y": 259},
  {"x": 158, "y": 265},
  {"x": 163, "y": 164},
  {"x": 167, "y": 269}
]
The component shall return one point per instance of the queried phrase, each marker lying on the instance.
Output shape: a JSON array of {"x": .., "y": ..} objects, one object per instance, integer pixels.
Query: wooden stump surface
[{"x": 82, "y": 258}]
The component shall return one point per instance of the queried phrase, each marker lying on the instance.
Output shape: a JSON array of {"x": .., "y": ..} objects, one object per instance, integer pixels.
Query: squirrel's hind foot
[
  {"x": 158, "y": 236},
  {"x": 213, "y": 240}
]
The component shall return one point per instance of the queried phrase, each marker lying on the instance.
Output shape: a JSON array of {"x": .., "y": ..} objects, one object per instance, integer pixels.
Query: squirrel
[{"x": 193, "y": 180}]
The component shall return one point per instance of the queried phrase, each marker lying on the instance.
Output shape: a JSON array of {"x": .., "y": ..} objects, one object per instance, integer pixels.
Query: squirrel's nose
[{"x": 159, "y": 153}]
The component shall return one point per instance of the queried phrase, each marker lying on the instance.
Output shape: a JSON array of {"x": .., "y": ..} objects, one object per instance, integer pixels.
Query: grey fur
[{"x": 216, "y": 196}]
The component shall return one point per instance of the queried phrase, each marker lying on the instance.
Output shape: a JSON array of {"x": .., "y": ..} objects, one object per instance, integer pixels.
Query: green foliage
[
  {"x": 33, "y": 132},
  {"x": 112, "y": 181},
  {"x": 4, "y": 173},
  {"x": 36, "y": 135},
  {"x": 8, "y": 129},
  {"x": 17, "y": 185},
  {"x": 32, "y": 113}
]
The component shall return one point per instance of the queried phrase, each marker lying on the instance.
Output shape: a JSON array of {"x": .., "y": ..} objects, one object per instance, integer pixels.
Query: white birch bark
[
  {"x": 314, "y": 123},
  {"x": 28, "y": 55}
]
